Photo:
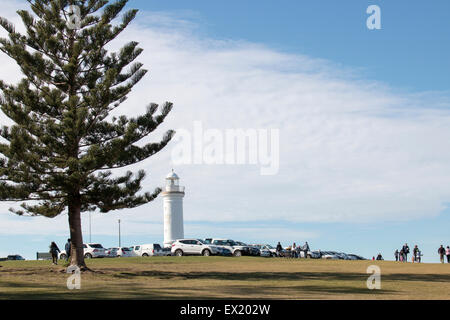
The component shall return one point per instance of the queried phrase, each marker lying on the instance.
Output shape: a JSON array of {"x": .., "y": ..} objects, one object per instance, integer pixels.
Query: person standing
[
  {"x": 447, "y": 253},
  {"x": 441, "y": 252},
  {"x": 396, "y": 254},
  {"x": 294, "y": 250},
  {"x": 54, "y": 251},
  {"x": 306, "y": 249},
  {"x": 401, "y": 255},
  {"x": 68, "y": 249},
  {"x": 419, "y": 256},
  {"x": 405, "y": 252},
  {"x": 416, "y": 254},
  {"x": 279, "y": 249}
]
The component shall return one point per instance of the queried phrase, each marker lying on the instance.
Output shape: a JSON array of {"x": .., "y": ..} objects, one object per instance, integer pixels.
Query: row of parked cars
[
  {"x": 181, "y": 247},
  {"x": 96, "y": 250},
  {"x": 223, "y": 247},
  {"x": 204, "y": 247},
  {"x": 318, "y": 254}
]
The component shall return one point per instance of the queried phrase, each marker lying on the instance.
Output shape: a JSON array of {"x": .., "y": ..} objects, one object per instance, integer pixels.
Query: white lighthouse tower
[{"x": 173, "y": 195}]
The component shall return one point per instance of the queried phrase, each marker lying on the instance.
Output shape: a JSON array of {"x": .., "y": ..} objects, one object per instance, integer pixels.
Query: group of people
[
  {"x": 295, "y": 251},
  {"x": 379, "y": 257},
  {"x": 54, "y": 251},
  {"x": 402, "y": 255}
]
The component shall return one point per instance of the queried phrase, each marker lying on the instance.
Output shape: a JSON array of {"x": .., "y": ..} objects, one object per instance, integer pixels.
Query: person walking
[
  {"x": 396, "y": 253},
  {"x": 68, "y": 248},
  {"x": 441, "y": 252},
  {"x": 447, "y": 253},
  {"x": 405, "y": 252},
  {"x": 54, "y": 251}
]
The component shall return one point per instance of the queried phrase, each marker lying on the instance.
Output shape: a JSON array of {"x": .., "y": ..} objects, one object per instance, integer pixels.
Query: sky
[{"x": 363, "y": 117}]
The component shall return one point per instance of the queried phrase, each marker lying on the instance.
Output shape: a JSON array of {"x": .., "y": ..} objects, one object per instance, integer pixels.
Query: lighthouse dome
[{"x": 172, "y": 176}]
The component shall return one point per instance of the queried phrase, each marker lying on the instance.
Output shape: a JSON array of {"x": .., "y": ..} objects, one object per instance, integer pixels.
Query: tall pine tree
[{"x": 60, "y": 152}]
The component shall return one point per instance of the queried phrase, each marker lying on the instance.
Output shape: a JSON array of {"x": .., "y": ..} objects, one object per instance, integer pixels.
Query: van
[{"x": 149, "y": 250}]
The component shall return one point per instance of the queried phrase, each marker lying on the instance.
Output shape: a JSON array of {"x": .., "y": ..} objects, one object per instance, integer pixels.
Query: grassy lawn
[{"x": 224, "y": 278}]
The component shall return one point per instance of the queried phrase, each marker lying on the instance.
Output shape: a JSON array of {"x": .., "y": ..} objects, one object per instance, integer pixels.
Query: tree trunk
[{"x": 76, "y": 235}]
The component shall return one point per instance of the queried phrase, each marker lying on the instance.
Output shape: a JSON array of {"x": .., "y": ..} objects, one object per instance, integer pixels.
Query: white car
[
  {"x": 149, "y": 250},
  {"x": 91, "y": 250},
  {"x": 185, "y": 247}
]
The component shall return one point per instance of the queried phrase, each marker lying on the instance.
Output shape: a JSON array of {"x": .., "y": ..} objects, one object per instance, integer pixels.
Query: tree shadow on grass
[
  {"x": 281, "y": 276},
  {"x": 235, "y": 292},
  {"x": 254, "y": 285}
]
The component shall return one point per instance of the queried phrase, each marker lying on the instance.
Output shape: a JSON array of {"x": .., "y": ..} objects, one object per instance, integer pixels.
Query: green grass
[{"x": 224, "y": 278}]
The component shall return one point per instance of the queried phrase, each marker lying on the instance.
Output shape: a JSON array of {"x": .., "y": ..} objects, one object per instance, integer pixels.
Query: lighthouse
[{"x": 173, "y": 195}]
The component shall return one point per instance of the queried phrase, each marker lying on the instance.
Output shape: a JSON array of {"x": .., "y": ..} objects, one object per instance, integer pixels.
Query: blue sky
[
  {"x": 411, "y": 50},
  {"x": 363, "y": 117}
]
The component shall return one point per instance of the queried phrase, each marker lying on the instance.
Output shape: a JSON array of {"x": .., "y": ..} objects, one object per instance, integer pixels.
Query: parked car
[
  {"x": 91, "y": 250},
  {"x": 184, "y": 247},
  {"x": 310, "y": 254},
  {"x": 236, "y": 249},
  {"x": 226, "y": 252},
  {"x": 355, "y": 257},
  {"x": 148, "y": 250},
  {"x": 267, "y": 247},
  {"x": 263, "y": 252},
  {"x": 342, "y": 255},
  {"x": 15, "y": 257},
  {"x": 330, "y": 255},
  {"x": 339, "y": 255},
  {"x": 124, "y": 252},
  {"x": 111, "y": 252},
  {"x": 167, "y": 251},
  {"x": 313, "y": 254},
  {"x": 254, "y": 251}
]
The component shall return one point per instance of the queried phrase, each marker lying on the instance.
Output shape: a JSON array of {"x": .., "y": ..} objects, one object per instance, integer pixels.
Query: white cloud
[{"x": 352, "y": 150}]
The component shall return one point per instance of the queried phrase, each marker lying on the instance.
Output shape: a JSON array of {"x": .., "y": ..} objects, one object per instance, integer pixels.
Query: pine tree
[{"x": 64, "y": 145}]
